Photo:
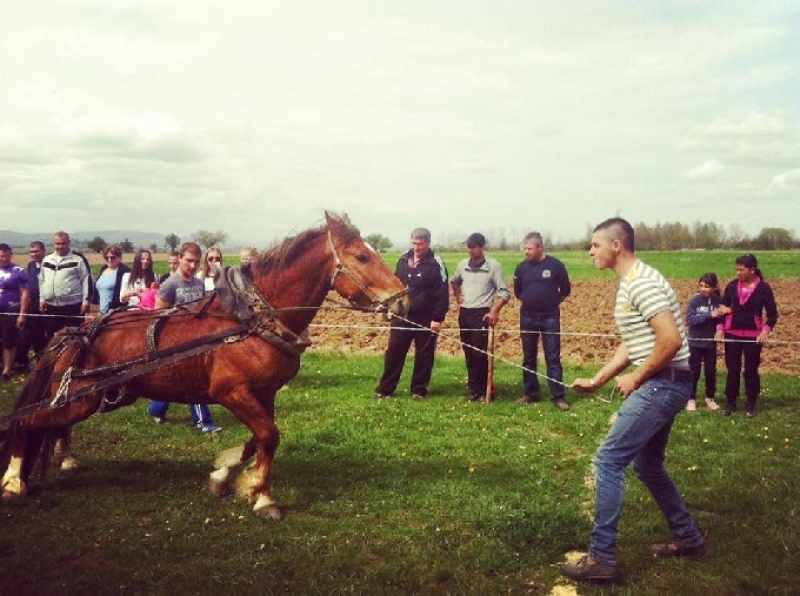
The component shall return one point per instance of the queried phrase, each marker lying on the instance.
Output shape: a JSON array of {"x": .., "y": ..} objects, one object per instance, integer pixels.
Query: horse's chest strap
[{"x": 154, "y": 328}]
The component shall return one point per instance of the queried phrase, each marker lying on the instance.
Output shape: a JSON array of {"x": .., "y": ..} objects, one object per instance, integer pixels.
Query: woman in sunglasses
[
  {"x": 211, "y": 263},
  {"x": 109, "y": 281}
]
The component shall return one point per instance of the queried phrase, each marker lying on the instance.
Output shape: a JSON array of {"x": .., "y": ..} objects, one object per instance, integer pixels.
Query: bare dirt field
[{"x": 589, "y": 332}]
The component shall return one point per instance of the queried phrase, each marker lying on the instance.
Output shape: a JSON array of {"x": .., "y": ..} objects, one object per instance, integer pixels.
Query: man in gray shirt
[
  {"x": 180, "y": 288},
  {"x": 480, "y": 289}
]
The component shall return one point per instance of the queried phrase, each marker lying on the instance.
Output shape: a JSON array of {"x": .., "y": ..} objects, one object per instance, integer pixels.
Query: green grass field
[
  {"x": 674, "y": 265},
  {"x": 402, "y": 497}
]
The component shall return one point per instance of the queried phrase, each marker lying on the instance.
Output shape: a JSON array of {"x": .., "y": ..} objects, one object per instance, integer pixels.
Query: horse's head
[{"x": 359, "y": 274}]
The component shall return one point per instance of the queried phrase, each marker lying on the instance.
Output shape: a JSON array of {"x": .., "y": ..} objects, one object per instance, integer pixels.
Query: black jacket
[
  {"x": 748, "y": 315},
  {"x": 427, "y": 286}
]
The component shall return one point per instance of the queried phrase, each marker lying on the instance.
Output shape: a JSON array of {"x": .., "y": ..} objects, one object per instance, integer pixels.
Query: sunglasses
[
  {"x": 111, "y": 257},
  {"x": 213, "y": 259}
]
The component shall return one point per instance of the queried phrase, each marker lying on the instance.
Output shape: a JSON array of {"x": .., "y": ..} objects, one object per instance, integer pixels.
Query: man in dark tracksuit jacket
[{"x": 425, "y": 275}]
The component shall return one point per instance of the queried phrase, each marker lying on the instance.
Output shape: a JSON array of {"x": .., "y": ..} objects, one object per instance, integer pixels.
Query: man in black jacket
[{"x": 425, "y": 275}]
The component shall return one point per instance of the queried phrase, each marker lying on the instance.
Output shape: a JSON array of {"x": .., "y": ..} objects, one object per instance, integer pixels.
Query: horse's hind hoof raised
[
  {"x": 218, "y": 489},
  {"x": 269, "y": 512}
]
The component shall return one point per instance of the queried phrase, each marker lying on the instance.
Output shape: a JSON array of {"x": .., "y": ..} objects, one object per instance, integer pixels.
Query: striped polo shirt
[{"x": 643, "y": 293}]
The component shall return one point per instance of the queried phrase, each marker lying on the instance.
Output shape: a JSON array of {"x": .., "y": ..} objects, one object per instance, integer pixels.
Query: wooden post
[{"x": 490, "y": 371}]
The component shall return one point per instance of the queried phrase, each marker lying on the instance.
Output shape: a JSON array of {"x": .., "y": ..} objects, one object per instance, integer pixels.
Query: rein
[{"x": 130, "y": 369}]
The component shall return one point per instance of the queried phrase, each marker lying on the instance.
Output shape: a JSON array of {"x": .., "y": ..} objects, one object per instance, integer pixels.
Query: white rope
[{"x": 523, "y": 332}]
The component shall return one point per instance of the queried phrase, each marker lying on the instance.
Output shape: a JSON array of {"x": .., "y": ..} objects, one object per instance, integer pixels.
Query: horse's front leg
[
  {"x": 253, "y": 483},
  {"x": 225, "y": 463}
]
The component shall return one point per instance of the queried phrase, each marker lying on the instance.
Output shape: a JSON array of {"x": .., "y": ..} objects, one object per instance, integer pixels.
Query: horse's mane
[{"x": 291, "y": 249}]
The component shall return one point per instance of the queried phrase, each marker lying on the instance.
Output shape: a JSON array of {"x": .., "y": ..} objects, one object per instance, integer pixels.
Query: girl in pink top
[{"x": 750, "y": 315}]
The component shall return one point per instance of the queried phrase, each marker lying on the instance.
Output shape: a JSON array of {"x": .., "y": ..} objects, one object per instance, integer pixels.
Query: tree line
[
  {"x": 204, "y": 238},
  {"x": 661, "y": 236}
]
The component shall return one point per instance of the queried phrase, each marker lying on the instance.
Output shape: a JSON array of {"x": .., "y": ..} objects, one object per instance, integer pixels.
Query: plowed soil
[{"x": 588, "y": 329}]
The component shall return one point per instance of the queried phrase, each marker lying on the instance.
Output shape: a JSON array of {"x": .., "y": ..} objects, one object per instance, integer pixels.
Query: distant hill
[{"x": 23, "y": 239}]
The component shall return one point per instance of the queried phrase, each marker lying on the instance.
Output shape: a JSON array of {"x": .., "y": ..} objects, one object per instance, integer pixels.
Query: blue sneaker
[{"x": 208, "y": 429}]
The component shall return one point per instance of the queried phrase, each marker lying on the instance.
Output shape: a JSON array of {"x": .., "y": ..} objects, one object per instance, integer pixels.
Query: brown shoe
[
  {"x": 676, "y": 548},
  {"x": 561, "y": 404},
  {"x": 528, "y": 399},
  {"x": 587, "y": 569}
]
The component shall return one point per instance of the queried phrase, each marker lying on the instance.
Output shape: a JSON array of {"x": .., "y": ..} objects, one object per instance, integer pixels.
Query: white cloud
[
  {"x": 710, "y": 169},
  {"x": 786, "y": 181},
  {"x": 401, "y": 114}
]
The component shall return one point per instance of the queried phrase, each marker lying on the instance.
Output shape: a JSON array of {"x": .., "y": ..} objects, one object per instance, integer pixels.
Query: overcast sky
[{"x": 494, "y": 116}]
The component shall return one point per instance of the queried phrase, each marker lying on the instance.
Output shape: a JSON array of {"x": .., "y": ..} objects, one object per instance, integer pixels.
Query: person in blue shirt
[
  {"x": 14, "y": 301},
  {"x": 702, "y": 317},
  {"x": 541, "y": 284}
]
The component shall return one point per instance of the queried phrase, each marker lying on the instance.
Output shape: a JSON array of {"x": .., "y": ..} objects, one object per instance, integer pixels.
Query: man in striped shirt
[{"x": 648, "y": 316}]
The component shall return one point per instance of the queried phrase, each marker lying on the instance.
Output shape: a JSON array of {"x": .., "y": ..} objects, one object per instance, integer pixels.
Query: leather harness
[{"x": 238, "y": 297}]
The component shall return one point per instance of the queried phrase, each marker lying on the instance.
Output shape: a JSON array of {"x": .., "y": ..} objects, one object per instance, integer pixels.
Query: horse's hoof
[
  {"x": 270, "y": 511},
  {"x": 70, "y": 463},
  {"x": 218, "y": 489},
  {"x": 19, "y": 493}
]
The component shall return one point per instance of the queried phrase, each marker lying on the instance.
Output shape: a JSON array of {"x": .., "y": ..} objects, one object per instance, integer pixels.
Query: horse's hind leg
[
  {"x": 62, "y": 455},
  {"x": 12, "y": 484},
  {"x": 24, "y": 444}
]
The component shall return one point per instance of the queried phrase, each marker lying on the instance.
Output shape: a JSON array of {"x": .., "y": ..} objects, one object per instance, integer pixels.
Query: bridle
[{"x": 375, "y": 304}]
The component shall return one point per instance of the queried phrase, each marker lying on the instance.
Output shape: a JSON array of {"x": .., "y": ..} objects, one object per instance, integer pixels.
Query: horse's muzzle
[{"x": 398, "y": 306}]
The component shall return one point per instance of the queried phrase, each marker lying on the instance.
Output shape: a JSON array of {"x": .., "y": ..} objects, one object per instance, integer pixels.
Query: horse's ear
[{"x": 334, "y": 219}]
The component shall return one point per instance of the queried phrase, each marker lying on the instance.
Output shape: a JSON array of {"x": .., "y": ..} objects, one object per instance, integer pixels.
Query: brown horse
[{"x": 236, "y": 348}]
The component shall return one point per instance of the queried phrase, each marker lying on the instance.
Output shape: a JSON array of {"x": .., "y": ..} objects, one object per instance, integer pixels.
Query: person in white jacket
[{"x": 65, "y": 286}]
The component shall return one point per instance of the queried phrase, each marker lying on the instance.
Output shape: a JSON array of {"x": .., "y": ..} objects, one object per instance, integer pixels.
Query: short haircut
[
  {"x": 114, "y": 249},
  {"x": 37, "y": 244},
  {"x": 5, "y": 248},
  {"x": 534, "y": 237},
  {"x": 61, "y": 235},
  {"x": 617, "y": 228},
  {"x": 175, "y": 253},
  {"x": 421, "y": 234},
  {"x": 191, "y": 247}
]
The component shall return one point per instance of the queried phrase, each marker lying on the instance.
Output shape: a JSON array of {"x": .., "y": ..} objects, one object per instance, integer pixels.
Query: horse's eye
[{"x": 363, "y": 259}]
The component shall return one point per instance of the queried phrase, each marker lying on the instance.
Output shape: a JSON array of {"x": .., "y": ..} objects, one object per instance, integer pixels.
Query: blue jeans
[
  {"x": 549, "y": 327},
  {"x": 200, "y": 412},
  {"x": 640, "y": 435}
]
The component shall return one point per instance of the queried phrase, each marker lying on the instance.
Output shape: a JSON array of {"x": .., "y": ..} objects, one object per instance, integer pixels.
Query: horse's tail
[{"x": 37, "y": 386}]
